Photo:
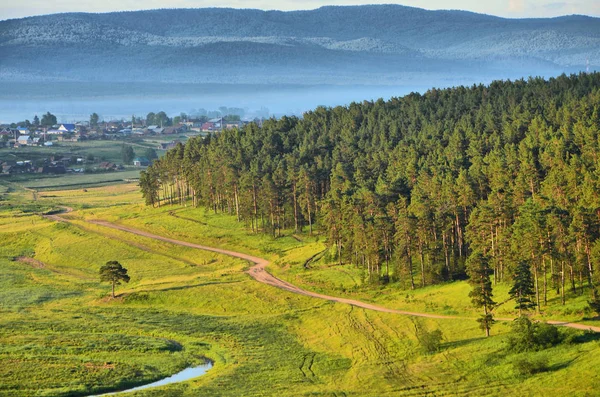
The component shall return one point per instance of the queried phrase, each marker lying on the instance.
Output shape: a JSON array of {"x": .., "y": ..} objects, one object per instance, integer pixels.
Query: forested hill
[
  {"x": 329, "y": 45},
  {"x": 409, "y": 188}
]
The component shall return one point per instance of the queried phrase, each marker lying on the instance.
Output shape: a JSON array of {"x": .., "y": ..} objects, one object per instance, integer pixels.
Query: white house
[
  {"x": 24, "y": 140},
  {"x": 67, "y": 128}
]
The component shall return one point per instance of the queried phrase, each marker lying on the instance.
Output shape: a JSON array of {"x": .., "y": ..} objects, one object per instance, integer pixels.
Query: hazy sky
[{"x": 506, "y": 8}]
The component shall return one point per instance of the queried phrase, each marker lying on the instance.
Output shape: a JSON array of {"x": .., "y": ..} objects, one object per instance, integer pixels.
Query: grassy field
[
  {"x": 103, "y": 150},
  {"x": 40, "y": 182},
  {"x": 62, "y": 336}
]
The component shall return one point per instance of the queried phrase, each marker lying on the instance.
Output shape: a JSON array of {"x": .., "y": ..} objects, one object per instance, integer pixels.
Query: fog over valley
[
  {"x": 72, "y": 102},
  {"x": 288, "y": 62}
]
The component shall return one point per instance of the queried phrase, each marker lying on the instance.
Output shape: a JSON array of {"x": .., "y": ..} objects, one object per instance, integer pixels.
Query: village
[
  {"x": 81, "y": 147},
  {"x": 40, "y": 135}
]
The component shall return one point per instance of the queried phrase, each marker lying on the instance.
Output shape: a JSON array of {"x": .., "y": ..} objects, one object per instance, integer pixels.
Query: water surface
[{"x": 186, "y": 374}]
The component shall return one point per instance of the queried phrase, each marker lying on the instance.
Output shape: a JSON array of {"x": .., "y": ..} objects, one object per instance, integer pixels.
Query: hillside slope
[{"x": 329, "y": 45}]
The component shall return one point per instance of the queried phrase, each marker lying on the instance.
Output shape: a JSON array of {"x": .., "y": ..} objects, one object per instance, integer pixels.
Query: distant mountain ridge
[{"x": 383, "y": 44}]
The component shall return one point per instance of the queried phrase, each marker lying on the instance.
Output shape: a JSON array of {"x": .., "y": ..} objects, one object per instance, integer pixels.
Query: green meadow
[{"x": 61, "y": 334}]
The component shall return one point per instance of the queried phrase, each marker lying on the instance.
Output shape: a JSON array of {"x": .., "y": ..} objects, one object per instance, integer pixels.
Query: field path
[{"x": 260, "y": 274}]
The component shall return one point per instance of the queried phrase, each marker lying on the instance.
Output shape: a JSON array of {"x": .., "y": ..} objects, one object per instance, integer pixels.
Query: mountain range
[{"x": 374, "y": 44}]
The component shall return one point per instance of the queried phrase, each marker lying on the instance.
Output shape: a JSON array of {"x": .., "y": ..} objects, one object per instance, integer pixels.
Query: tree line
[{"x": 487, "y": 180}]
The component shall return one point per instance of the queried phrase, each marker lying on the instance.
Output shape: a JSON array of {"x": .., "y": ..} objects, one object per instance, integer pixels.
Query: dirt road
[{"x": 260, "y": 274}]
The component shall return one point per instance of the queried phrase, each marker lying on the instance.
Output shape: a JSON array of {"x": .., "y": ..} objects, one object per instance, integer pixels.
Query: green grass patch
[{"x": 60, "y": 334}]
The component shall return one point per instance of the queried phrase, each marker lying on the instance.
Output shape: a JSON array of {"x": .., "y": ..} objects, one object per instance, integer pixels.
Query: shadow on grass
[
  {"x": 596, "y": 318},
  {"x": 586, "y": 337},
  {"x": 461, "y": 343},
  {"x": 559, "y": 366},
  {"x": 180, "y": 288}
]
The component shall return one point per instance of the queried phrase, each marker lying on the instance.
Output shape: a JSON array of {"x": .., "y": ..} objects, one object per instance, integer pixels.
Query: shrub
[
  {"x": 529, "y": 336},
  {"x": 594, "y": 304},
  {"x": 531, "y": 366},
  {"x": 430, "y": 341}
]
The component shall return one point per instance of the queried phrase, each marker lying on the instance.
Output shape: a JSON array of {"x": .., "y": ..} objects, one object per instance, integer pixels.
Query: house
[
  {"x": 232, "y": 124},
  {"x": 182, "y": 127},
  {"x": 7, "y": 132},
  {"x": 154, "y": 129},
  {"x": 24, "y": 140},
  {"x": 141, "y": 162},
  {"x": 23, "y": 130},
  {"x": 105, "y": 165},
  {"x": 167, "y": 145},
  {"x": 175, "y": 130},
  {"x": 113, "y": 126},
  {"x": 68, "y": 128},
  {"x": 55, "y": 132},
  {"x": 208, "y": 127}
]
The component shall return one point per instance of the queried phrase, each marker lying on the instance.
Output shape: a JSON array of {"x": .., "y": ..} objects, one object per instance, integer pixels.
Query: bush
[
  {"x": 529, "y": 336},
  {"x": 531, "y": 366},
  {"x": 594, "y": 304},
  {"x": 430, "y": 341}
]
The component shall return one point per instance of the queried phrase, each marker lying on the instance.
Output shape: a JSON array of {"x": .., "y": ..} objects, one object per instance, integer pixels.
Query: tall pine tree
[
  {"x": 481, "y": 295},
  {"x": 522, "y": 290}
]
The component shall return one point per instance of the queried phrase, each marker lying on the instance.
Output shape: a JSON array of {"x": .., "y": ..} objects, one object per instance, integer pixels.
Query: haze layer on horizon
[{"x": 502, "y": 8}]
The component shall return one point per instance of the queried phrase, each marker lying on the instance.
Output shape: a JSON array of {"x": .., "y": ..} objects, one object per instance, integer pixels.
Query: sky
[{"x": 505, "y": 8}]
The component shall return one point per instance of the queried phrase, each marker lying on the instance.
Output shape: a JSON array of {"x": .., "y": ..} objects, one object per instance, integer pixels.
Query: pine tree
[
  {"x": 113, "y": 272},
  {"x": 523, "y": 291},
  {"x": 481, "y": 295}
]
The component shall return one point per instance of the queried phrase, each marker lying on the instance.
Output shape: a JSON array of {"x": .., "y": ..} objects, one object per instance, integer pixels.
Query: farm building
[{"x": 141, "y": 162}]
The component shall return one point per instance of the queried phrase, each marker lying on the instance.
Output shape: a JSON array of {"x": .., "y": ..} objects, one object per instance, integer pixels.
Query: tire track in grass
[{"x": 260, "y": 274}]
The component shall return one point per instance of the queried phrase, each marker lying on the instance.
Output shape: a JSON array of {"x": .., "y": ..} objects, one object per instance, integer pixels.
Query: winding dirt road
[{"x": 260, "y": 274}]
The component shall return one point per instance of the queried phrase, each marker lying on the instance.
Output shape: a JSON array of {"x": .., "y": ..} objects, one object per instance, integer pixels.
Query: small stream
[{"x": 186, "y": 374}]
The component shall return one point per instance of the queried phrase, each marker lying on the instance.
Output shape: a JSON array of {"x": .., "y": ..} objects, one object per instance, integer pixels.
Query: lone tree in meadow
[
  {"x": 114, "y": 273},
  {"x": 481, "y": 295},
  {"x": 523, "y": 291}
]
